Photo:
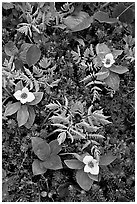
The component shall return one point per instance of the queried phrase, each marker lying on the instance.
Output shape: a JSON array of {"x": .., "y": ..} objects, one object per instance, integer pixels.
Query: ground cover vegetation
[{"x": 68, "y": 82}]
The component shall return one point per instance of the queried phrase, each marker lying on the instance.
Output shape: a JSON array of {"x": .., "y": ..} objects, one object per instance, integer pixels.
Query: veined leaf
[
  {"x": 53, "y": 162},
  {"x": 83, "y": 180},
  {"x": 102, "y": 75},
  {"x": 19, "y": 86},
  {"x": 116, "y": 53},
  {"x": 93, "y": 177},
  {"x": 10, "y": 49},
  {"x": 22, "y": 115},
  {"x": 40, "y": 147},
  {"x": 102, "y": 49},
  {"x": 38, "y": 98},
  {"x": 107, "y": 159},
  {"x": 118, "y": 69},
  {"x": 61, "y": 138},
  {"x": 12, "y": 108},
  {"x": 79, "y": 22},
  {"x": 74, "y": 164},
  {"x": 113, "y": 81},
  {"x": 55, "y": 147},
  {"x": 31, "y": 118},
  {"x": 59, "y": 119},
  {"x": 37, "y": 167},
  {"x": 33, "y": 55},
  {"x": 103, "y": 17}
]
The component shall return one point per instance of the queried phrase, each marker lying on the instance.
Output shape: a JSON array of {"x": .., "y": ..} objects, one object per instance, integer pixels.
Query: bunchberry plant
[{"x": 24, "y": 106}]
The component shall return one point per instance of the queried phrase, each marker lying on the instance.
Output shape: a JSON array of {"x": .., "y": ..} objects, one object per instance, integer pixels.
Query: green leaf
[
  {"x": 102, "y": 75},
  {"x": 118, "y": 69},
  {"x": 22, "y": 115},
  {"x": 113, "y": 81},
  {"x": 53, "y": 162},
  {"x": 103, "y": 17},
  {"x": 10, "y": 49},
  {"x": 74, "y": 164},
  {"x": 116, "y": 53},
  {"x": 38, "y": 98},
  {"x": 123, "y": 13},
  {"x": 102, "y": 49},
  {"x": 83, "y": 180},
  {"x": 52, "y": 106},
  {"x": 33, "y": 55},
  {"x": 31, "y": 118},
  {"x": 37, "y": 167},
  {"x": 12, "y": 108},
  {"x": 107, "y": 159},
  {"x": 40, "y": 147},
  {"x": 55, "y": 147},
  {"x": 61, "y": 137},
  {"x": 79, "y": 22},
  {"x": 93, "y": 177},
  {"x": 19, "y": 86}
]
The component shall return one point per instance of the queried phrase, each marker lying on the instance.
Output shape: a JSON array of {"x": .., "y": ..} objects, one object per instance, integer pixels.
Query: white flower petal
[
  {"x": 87, "y": 169},
  {"x": 25, "y": 90},
  {"x": 107, "y": 65},
  {"x": 23, "y": 100},
  {"x": 87, "y": 159},
  {"x": 30, "y": 97},
  {"x": 17, "y": 94},
  {"x": 95, "y": 170}
]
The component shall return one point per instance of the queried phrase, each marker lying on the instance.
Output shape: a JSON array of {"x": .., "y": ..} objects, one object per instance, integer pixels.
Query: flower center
[
  {"x": 24, "y": 95},
  {"x": 90, "y": 164},
  {"x": 108, "y": 61}
]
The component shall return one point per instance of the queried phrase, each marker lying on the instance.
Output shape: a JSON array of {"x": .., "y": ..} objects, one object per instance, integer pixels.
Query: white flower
[
  {"x": 92, "y": 165},
  {"x": 108, "y": 60},
  {"x": 24, "y": 95}
]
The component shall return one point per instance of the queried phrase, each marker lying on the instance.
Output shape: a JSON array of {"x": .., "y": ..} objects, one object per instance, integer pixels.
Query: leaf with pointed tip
[
  {"x": 40, "y": 147},
  {"x": 33, "y": 55},
  {"x": 102, "y": 75},
  {"x": 102, "y": 49},
  {"x": 31, "y": 118},
  {"x": 116, "y": 53},
  {"x": 103, "y": 17},
  {"x": 12, "y": 108},
  {"x": 83, "y": 180},
  {"x": 37, "y": 167},
  {"x": 38, "y": 98},
  {"x": 52, "y": 106},
  {"x": 19, "y": 86},
  {"x": 55, "y": 147},
  {"x": 53, "y": 162},
  {"x": 22, "y": 115},
  {"x": 113, "y": 81},
  {"x": 93, "y": 177},
  {"x": 74, "y": 164},
  {"x": 118, "y": 69},
  {"x": 61, "y": 137},
  {"x": 107, "y": 159}
]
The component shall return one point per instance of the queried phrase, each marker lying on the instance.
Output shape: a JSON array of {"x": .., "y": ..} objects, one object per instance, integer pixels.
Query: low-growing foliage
[{"x": 68, "y": 103}]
